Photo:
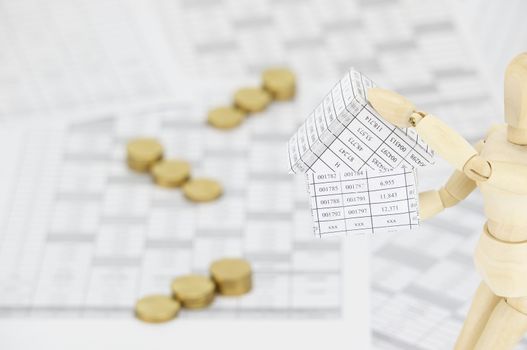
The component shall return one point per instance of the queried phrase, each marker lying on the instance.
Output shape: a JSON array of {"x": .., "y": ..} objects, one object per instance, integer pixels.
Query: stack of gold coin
[
  {"x": 143, "y": 153},
  {"x": 252, "y": 100},
  {"x": 229, "y": 276},
  {"x": 226, "y": 117},
  {"x": 280, "y": 83},
  {"x": 232, "y": 276},
  {"x": 157, "y": 308},
  {"x": 202, "y": 190},
  {"x": 171, "y": 173},
  {"x": 277, "y": 83},
  {"x": 193, "y": 291}
]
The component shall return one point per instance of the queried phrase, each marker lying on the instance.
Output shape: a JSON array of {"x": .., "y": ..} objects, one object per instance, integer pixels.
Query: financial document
[
  {"x": 347, "y": 203},
  {"x": 345, "y": 133},
  {"x": 422, "y": 281},
  {"x": 84, "y": 236},
  {"x": 67, "y": 59},
  {"x": 359, "y": 167}
]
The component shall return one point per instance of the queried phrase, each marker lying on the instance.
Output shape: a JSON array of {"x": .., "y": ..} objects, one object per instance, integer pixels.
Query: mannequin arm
[
  {"x": 457, "y": 188},
  {"x": 446, "y": 142}
]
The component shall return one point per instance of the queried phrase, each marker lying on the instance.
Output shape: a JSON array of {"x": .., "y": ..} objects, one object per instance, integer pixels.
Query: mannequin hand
[{"x": 393, "y": 107}]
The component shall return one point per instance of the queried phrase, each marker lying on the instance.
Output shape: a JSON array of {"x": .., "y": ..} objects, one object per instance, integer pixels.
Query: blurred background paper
[{"x": 82, "y": 238}]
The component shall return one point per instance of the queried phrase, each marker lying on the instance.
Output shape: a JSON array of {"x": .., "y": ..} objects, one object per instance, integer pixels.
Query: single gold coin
[
  {"x": 235, "y": 289},
  {"x": 199, "y": 303},
  {"x": 142, "y": 153},
  {"x": 225, "y": 117},
  {"x": 171, "y": 173},
  {"x": 280, "y": 82},
  {"x": 193, "y": 291},
  {"x": 252, "y": 99},
  {"x": 230, "y": 269},
  {"x": 202, "y": 190},
  {"x": 233, "y": 276},
  {"x": 157, "y": 308}
]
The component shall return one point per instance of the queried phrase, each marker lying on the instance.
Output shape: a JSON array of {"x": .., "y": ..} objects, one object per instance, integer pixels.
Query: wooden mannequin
[{"x": 497, "y": 318}]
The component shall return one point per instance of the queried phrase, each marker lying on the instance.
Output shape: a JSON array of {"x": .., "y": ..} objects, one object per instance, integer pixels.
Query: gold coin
[
  {"x": 235, "y": 289},
  {"x": 280, "y": 82},
  {"x": 193, "y": 291},
  {"x": 252, "y": 99},
  {"x": 157, "y": 308},
  {"x": 142, "y": 153},
  {"x": 230, "y": 269},
  {"x": 171, "y": 173},
  {"x": 199, "y": 303},
  {"x": 225, "y": 117},
  {"x": 233, "y": 276},
  {"x": 202, "y": 190}
]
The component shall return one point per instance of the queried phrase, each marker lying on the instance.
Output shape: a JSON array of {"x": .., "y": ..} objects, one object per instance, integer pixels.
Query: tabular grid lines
[
  {"x": 100, "y": 236},
  {"x": 71, "y": 56},
  {"x": 356, "y": 203},
  {"x": 414, "y": 48},
  {"x": 345, "y": 134}
]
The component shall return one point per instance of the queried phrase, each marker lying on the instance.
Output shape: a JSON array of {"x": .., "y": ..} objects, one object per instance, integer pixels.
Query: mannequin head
[{"x": 516, "y": 99}]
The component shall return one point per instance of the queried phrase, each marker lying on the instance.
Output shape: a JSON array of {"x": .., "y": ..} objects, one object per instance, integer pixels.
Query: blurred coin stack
[
  {"x": 145, "y": 155},
  {"x": 228, "y": 276},
  {"x": 193, "y": 291},
  {"x": 232, "y": 276},
  {"x": 277, "y": 84}
]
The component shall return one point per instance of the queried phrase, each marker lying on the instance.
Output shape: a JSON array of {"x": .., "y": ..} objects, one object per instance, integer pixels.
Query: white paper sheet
[
  {"x": 347, "y": 203},
  {"x": 345, "y": 133},
  {"x": 84, "y": 236},
  {"x": 70, "y": 59},
  {"x": 359, "y": 167}
]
